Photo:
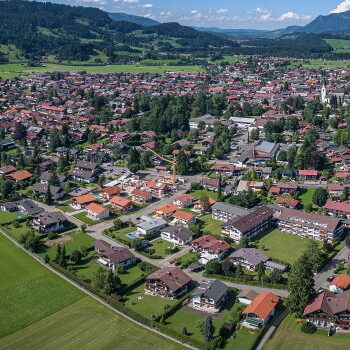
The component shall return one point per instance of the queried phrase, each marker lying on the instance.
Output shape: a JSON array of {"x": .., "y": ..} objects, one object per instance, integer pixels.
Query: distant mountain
[
  {"x": 143, "y": 21},
  {"x": 229, "y": 31},
  {"x": 332, "y": 23}
]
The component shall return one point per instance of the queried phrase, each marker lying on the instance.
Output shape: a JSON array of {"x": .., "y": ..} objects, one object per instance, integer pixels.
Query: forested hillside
[{"x": 76, "y": 33}]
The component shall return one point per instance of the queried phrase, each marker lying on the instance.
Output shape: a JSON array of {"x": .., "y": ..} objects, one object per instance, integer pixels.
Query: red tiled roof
[
  {"x": 120, "y": 201},
  {"x": 339, "y": 206},
  {"x": 342, "y": 281},
  {"x": 96, "y": 208},
  {"x": 262, "y": 305},
  {"x": 182, "y": 215}
]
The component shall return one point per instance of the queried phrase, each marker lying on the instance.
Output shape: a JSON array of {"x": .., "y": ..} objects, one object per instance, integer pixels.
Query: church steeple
[{"x": 323, "y": 91}]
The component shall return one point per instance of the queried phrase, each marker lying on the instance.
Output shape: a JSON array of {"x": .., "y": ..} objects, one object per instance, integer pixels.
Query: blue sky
[{"x": 258, "y": 14}]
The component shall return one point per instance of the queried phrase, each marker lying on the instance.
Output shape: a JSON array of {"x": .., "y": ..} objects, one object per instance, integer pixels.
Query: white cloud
[
  {"x": 127, "y": 1},
  {"x": 100, "y": 2},
  {"x": 221, "y": 10},
  {"x": 264, "y": 15},
  {"x": 194, "y": 11},
  {"x": 147, "y": 6},
  {"x": 342, "y": 7},
  {"x": 292, "y": 15}
]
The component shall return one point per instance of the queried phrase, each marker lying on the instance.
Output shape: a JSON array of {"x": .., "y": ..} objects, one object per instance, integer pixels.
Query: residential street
[{"x": 328, "y": 270}]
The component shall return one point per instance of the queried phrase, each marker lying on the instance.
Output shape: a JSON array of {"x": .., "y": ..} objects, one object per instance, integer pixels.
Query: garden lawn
[
  {"x": 288, "y": 336},
  {"x": 65, "y": 207},
  {"x": 188, "y": 319},
  {"x": 85, "y": 325},
  {"x": 160, "y": 247},
  {"x": 211, "y": 226},
  {"x": 87, "y": 268},
  {"x": 131, "y": 275},
  {"x": 198, "y": 194},
  {"x": 8, "y": 217},
  {"x": 16, "y": 232},
  {"x": 84, "y": 219},
  {"x": 281, "y": 246},
  {"x": 28, "y": 292},
  {"x": 306, "y": 197},
  {"x": 149, "y": 305},
  {"x": 193, "y": 257}
]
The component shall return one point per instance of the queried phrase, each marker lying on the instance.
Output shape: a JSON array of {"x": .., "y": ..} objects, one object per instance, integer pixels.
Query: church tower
[{"x": 323, "y": 92}]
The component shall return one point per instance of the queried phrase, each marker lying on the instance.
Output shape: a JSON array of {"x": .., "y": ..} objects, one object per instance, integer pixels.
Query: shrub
[{"x": 308, "y": 327}]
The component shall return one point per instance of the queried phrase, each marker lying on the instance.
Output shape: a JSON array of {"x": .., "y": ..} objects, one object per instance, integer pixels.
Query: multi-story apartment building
[
  {"x": 225, "y": 212},
  {"x": 309, "y": 225},
  {"x": 249, "y": 225}
]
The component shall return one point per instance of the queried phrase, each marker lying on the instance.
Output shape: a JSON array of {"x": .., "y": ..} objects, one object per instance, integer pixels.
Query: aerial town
[{"x": 208, "y": 206}]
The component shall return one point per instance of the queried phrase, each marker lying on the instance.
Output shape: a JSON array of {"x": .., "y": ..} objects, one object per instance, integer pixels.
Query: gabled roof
[
  {"x": 96, "y": 208},
  {"x": 342, "y": 281},
  {"x": 86, "y": 198},
  {"x": 182, "y": 215},
  {"x": 252, "y": 255},
  {"x": 172, "y": 277},
  {"x": 262, "y": 305},
  {"x": 120, "y": 201},
  {"x": 214, "y": 290},
  {"x": 329, "y": 303}
]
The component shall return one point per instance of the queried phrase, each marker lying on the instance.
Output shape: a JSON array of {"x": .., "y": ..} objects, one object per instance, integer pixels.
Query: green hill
[{"x": 66, "y": 33}]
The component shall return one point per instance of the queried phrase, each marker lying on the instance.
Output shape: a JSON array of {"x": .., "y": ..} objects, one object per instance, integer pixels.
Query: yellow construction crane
[{"x": 172, "y": 162}]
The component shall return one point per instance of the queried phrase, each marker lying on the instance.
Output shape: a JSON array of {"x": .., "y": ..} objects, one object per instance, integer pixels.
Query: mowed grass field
[
  {"x": 39, "y": 310},
  {"x": 85, "y": 325},
  {"x": 17, "y": 69},
  {"x": 282, "y": 246},
  {"x": 288, "y": 336},
  {"x": 317, "y": 64},
  {"x": 28, "y": 292}
]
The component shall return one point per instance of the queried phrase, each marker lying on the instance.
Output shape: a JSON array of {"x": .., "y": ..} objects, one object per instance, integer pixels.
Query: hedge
[{"x": 241, "y": 281}]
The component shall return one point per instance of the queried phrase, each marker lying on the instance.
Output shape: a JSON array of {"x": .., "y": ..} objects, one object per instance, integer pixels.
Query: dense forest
[{"x": 42, "y": 29}]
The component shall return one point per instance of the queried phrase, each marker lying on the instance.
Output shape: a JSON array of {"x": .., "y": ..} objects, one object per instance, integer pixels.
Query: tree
[
  {"x": 228, "y": 268},
  {"x": 63, "y": 258},
  {"x": 315, "y": 256},
  {"x": 99, "y": 278},
  {"x": 261, "y": 270},
  {"x": 320, "y": 196},
  {"x": 213, "y": 267},
  {"x": 75, "y": 257},
  {"x": 239, "y": 272},
  {"x": 46, "y": 259},
  {"x": 112, "y": 284},
  {"x": 244, "y": 242},
  {"x": 300, "y": 285},
  {"x": 184, "y": 331},
  {"x": 48, "y": 196},
  {"x": 308, "y": 328},
  {"x": 29, "y": 240},
  {"x": 207, "y": 328},
  {"x": 58, "y": 254},
  {"x": 276, "y": 276},
  {"x": 20, "y": 132}
]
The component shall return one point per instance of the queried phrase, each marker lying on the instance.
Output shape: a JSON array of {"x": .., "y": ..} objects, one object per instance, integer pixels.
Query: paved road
[
  {"x": 276, "y": 321},
  {"x": 328, "y": 270},
  {"x": 93, "y": 296}
]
